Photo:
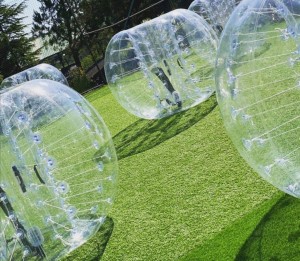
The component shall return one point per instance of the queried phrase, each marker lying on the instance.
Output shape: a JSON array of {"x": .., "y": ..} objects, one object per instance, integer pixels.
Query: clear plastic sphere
[
  {"x": 215, "y": 12},
  {"x": 162, "y": 66},
  {"x": 40, "y": 71},
  {"x": 294, "y": 8},
  {"x": 258, "y": 89},
  {"x": 57, "y": 173}
]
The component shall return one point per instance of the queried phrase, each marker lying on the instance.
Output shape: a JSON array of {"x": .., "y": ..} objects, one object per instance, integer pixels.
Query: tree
[
  {"x": 57, "y": 23},
  {"x": 96, "y": 14},
  {"x": 101, "y": 13},
  {"x": 15, "y": 47}
]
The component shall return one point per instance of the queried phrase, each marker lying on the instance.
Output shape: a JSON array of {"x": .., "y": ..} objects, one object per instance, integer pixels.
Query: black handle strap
[
  {"x": 38, "y": 174},
  {"x": 19, "y": 178}
]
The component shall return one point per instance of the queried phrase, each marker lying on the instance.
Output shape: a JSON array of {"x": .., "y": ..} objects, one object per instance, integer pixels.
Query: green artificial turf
[
  {"x": 94, "y": 248},
  {"x": 227, "y": 244},
  {"x": 277, "y": 235},
  {"x": 184, "y": 193},
  {"x": 115, "y": 117}
]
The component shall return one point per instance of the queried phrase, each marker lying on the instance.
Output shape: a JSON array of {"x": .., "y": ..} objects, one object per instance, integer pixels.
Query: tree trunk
[{"x": 75, "y": 55}]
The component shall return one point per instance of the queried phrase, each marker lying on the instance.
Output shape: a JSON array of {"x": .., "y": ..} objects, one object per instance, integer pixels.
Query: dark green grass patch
[
  {"x": 277, "y": 236},
  {"x": 227, "y": 243}
]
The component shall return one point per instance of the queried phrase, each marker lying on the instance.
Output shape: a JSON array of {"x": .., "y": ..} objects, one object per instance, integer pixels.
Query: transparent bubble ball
[
  {"x": 215, "y": 12},
  {"x": 57, "y": 174},
  {"x": 258, "y": 89},
  {"x": 162, "y": 66},
  {"x": 294, "y": 8},
  {"x": 40, "y": 71}
]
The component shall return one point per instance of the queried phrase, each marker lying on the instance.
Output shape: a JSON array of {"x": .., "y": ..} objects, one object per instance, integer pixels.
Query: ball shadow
[
  {"x": 277, "y": 236},
  {"x": 93, "y": 249},
  {"x": 146, "y": 134}
]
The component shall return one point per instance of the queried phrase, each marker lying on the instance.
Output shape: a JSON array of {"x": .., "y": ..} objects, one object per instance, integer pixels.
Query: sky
[{"x": 31, "y": 6}]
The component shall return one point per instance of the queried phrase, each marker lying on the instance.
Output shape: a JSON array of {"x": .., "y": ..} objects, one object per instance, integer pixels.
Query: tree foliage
[
  {"x": 102, "y": 13},
  {"x": 58, "y": 23},
  {"x": 15, "y": 47},
  {"x": 65, "y": 22}
]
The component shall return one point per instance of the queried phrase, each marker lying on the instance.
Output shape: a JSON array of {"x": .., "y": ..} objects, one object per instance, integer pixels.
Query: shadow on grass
[
  {"x": 277, "y": 236},
  {"x": 93, "y": 249},
  {"x": 146, "y": 134}
]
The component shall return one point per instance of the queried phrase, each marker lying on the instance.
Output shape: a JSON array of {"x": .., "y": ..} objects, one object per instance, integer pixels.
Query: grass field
[{"x": 184, "y": 193}]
